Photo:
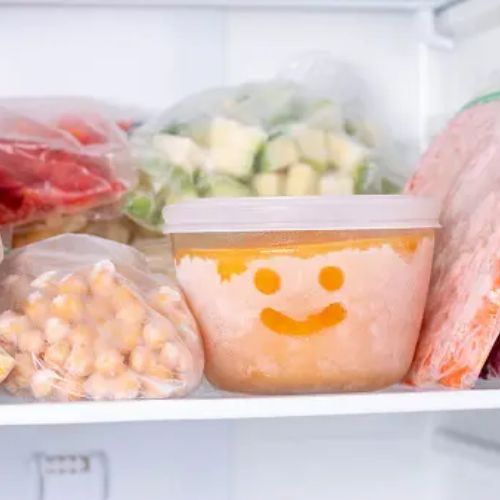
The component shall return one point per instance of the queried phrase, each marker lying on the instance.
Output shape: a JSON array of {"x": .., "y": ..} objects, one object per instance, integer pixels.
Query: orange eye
[
  {"x": 267, "y": 281},
  {"x": 331, "y": 278}
]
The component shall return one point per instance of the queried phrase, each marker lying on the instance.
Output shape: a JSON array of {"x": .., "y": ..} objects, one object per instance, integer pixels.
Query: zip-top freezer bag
[
  {"x": 84, "y": 318},
  {"x": 59, "y": 156},
  {"x": 277, "y": 137},
  {"x": 462, "y": 316}
]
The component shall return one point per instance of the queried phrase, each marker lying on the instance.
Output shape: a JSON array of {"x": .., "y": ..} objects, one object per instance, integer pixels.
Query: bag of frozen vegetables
[
  {"x": 273, "y": 138},
  {"x": 82, "y": 317},
  {"x": 59, "y": 156}
]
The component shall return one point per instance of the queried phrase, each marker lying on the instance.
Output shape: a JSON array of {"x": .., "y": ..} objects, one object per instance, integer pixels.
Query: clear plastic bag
[
  {"x": 84, "y": 317},
  {"x": 59, "y": 155},
  {"x": 462, "y": 317},
  {"x": 288, "y": 136}
]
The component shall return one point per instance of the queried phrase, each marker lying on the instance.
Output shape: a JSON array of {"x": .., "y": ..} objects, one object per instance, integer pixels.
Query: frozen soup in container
[{"x": 309, "y": 294}]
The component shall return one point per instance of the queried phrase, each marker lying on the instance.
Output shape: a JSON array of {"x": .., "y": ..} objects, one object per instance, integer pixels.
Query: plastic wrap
[
  {"x": 281, "y": 137},
  {"x": 59, "y": 155},
  {"x": 462, "y": 316},
  {"x": 84, "y": 317}
]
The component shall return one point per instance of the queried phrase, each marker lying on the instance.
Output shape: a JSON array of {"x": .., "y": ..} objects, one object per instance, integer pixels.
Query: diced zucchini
[
  {"x": 181, "y": 151},
  {"x": 335, "y": 184},
  {"x": 301, "y": 180},
  {"x": 233, "y": 146},
  {"x": 345, "y": 153},
  {"x": 279, "y": 153},
  {"x": 225, "y": 186},
  {"x": 312, "y": 147},
  {"x": 269, "y": 184}
]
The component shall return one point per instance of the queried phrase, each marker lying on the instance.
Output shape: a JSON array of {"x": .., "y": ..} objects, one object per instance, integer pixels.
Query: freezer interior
[{"x": 416, "y": 63}]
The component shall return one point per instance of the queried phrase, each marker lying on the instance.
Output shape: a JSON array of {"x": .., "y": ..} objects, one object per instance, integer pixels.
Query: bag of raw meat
[
  {"x": 462, "y": 316},
  {"x": 84, "y": 318},
  {"x": 297, "y": 134},
  {"x": 59, "y": 156}
]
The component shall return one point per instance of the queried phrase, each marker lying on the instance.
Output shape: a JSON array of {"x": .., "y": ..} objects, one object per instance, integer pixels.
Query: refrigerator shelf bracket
[{"x": 430, "y": 33}]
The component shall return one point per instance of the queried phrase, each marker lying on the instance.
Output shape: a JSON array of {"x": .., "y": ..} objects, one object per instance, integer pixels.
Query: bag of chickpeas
[{"x": 84, "y": 318}]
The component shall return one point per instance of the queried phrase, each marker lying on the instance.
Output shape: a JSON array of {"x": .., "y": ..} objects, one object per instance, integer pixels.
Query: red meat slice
[
  {"x": 462, "y": 316},
  {"x": 36, "y": 180}
]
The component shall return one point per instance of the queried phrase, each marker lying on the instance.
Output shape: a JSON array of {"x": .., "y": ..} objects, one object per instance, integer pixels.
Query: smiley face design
[{"x": 268, "y": 282}]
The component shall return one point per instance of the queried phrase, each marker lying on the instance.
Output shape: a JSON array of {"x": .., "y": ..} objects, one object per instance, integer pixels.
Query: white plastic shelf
[{"x": 223, "y": 407}]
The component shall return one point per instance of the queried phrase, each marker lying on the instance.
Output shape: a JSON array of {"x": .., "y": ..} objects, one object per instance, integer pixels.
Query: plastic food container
[{"x": 310, "y": 294}]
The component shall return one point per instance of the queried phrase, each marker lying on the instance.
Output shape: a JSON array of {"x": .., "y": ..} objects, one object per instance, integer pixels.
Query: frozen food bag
[
  {"x": 117, "y": 228},
  {"x": 84, "y": 318},
  {"x": 59, "y": 155},
  {"x": 277, "y": 137},
  {"x": 462, "y": 316}
]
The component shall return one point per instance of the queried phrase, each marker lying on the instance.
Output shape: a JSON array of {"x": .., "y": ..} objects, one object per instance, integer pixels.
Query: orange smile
[{"x": 281, "y": 323}]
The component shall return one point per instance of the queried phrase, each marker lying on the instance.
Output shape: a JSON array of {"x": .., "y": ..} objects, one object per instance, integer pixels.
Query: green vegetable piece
[
  {"x": 140, "y": 205},
  {"x": 301, "y": 180},
  {"x": 233, "y": 147},
  {"x": 389, "y": 187},
  {"x": 278, "y": 154},
  {"x": 225, "y": 186},
  {"x": 269, "y": 184},
  {"x": 360, "y": 178},
  {"x": 312, "y": 148}
]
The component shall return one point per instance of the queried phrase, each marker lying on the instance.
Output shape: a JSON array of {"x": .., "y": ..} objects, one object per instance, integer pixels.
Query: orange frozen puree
[{"x": 340, "y": 315}]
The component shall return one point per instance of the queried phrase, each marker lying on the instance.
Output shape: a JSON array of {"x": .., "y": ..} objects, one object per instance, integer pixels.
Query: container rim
[{"x": 301, "y": 213}]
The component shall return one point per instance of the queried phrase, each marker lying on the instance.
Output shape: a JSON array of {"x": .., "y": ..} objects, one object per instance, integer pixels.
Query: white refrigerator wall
[
  {"x": 379, "y": 457},
  {"x": 150, "y": 57}
]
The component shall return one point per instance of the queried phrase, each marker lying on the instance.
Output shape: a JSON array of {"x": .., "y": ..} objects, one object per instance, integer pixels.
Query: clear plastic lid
[{"x": 305, "y": 213}]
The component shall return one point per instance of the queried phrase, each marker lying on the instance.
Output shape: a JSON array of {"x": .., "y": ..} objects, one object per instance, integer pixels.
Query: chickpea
[
  {"x": 80, "y": 362},
  {"x": 43, "y": 383},
  {"x": 170, "y": 355},
  {"x": 56, "y": 354},
  {"x": 102, "y": 280},
  {"x": 12, "y": 325},
  {"x": 129, "y": 337},
  {"x": 82, "y": 336},
  {"x": 109, "y": 363},
  {"x": 56, "y": 329},
  {"x": 6, "y": 364},
  {"x": 70, "y": 389},
  {"x": 31, "y": 341},
  {"x": 165, "y": 296},
  {"x": 157, "y": 369},
  {"x": 97, "y": 387},
  {"x": 37, "y": 308},
  {"x": 156, "y": 333},
  {"x": 131, "y": 312},
  {"x": 126, "y": 386},
  {"x": 68, "y": 307},
  {"x": 97, "y": 309},
  {"x": 23, "y": 370},
  {"x": 140, "y": 358},
  {"x": 73, "y": 285},
  {"x": 45, "y": 280}
]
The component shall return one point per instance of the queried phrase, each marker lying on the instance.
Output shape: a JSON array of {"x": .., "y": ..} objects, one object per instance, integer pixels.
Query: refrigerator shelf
[{"x": 219, "y": 406}]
